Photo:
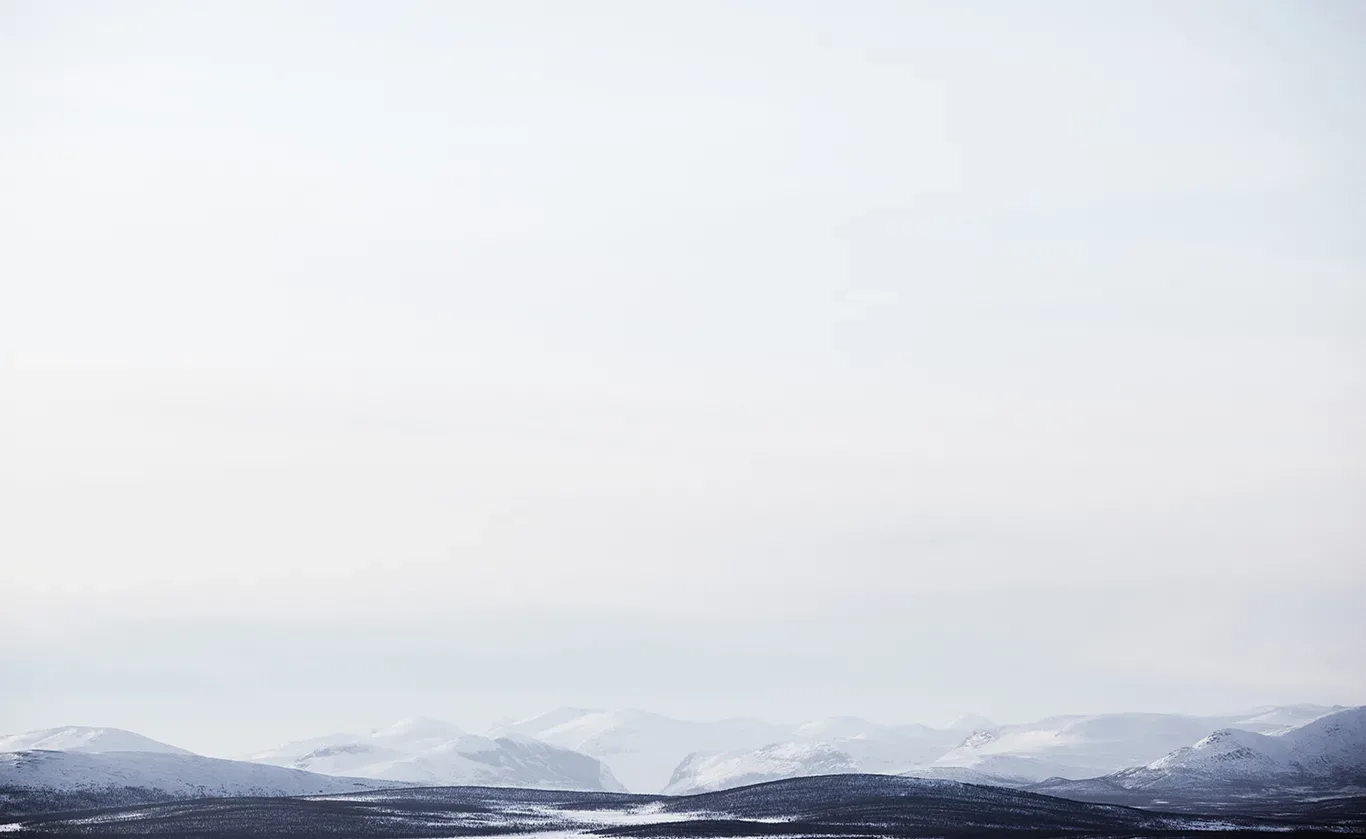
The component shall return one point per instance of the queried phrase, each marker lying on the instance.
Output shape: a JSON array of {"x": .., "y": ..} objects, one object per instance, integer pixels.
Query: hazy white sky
[{"x": 785, "y": 359}]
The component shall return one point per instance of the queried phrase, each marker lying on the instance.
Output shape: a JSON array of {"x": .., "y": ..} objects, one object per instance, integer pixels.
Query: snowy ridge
[
  {"x": 136, "y": 777},
  {"x": 643, "y": 749},
  {"x": 1075, "y": 746},
  {"x": 1280, "y": 717},
  {"x": 433, "y": 752},
  {"x": 833, "y": 745},
  {"x": 885, "y": 749},
  {"x": 415, "y": 734},
  {"x": 1329, "y": 747},
  {"x": 1070, "y": 747},
  {"x": 1325, "y": 756},
  {"x": 81, "y": 738},
  {"x": 708, "y": 772}
]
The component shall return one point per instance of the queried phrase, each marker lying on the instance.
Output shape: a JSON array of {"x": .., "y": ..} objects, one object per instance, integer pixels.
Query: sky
[{"x": 777, "y": 359}]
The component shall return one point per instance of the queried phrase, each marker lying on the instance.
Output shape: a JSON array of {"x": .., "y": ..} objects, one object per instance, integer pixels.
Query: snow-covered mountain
[
  {"x": 340, "y": 753},
  {"x": 1331, "y": 747},
  {"x": 437, "y": 753},
  {"x": 643, "y": 749},
  {"x": 884, "y": 749},
  {"x": 1279, "y": 717},
  {"x": 830, "y": 745},
  {"x": 710, "y": 771},
  {"x": 67, "y": 779},
  {"x": 82, "y": 738},
  {"x": 648, "y": 752},
  {"x": 1326, "y": 754},
  {"x": 1075, "y": 746}
]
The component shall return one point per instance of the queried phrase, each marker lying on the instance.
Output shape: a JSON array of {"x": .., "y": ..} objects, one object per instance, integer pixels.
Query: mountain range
[{"x": 1144, "y": 759}]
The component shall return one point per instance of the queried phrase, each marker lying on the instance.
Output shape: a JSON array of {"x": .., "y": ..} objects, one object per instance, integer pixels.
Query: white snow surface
[
  {"x": 82, "y": 738},
  {"x": 178, "y": 775},
  {"x": 437, "y": 753}
]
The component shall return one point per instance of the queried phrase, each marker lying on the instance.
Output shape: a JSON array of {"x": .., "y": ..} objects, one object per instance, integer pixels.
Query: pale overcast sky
[{"x": 786, "y": 359}]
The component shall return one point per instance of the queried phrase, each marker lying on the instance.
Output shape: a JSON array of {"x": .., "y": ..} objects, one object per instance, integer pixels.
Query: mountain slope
[
  {"x": 505, "y": 761},
  {"x": 710, "y": 771},
  {"x": 1329, "y": 748},
  {"x": 647, "y": 751},
  {"x": 1274, "y": 718},
  {"x": 438, "y": 753},
  {"x": 1326, "y": 755},
  {"x": 42, "y": 780},
  {"x": 833, "y": 745},
  {"x": 81, "y": 738},
  {"x": 643, "y": 749},
  {"x": 886, "y": 749},
  {"x": 1074, "y": 746}
]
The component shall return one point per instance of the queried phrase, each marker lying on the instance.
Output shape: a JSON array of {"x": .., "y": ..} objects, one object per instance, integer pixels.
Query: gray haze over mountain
[{"x": 894, "y": 359}]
